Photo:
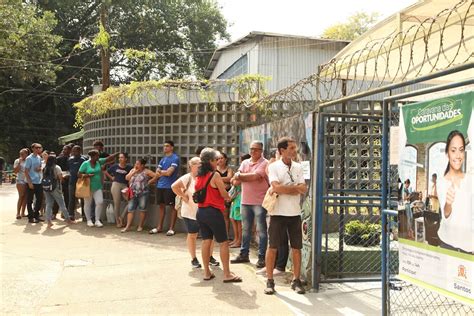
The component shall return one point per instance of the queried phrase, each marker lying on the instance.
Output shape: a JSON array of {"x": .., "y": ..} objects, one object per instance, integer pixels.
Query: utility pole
[{"x": 104, "y": 51}]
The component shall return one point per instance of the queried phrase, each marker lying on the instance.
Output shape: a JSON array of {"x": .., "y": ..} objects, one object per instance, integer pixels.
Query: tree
[
  {"x": 149, "y": 39},
  {"x": 356, "y": 25},
  {"x": 28, "y": 51},
  {"x": 26, "y": 44}
]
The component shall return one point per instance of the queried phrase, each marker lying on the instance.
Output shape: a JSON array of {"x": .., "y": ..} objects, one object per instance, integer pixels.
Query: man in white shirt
[{"x": 287, "y": 180}]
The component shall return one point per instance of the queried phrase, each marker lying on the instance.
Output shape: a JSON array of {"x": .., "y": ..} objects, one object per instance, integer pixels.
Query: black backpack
[
  {"x": 200, "y": 195},
  {"x": 49, "y": 181}
]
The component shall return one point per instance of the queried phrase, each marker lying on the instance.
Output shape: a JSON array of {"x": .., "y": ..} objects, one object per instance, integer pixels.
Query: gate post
[
  {"x": 318, "y": 175},
  {"x": 385, "y": 251}
]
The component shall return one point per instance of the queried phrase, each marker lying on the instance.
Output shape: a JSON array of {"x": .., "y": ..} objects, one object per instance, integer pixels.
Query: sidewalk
[{"x": 76, "y": 269}]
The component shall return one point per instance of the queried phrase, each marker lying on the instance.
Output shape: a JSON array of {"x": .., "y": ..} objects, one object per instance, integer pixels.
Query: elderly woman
[
  {"x": 21, "y": 183},
  {"x": 92, "y": 169},
  {"x": 138, "y": 179},
  {"x": 184, "y": 188},
  {"x": 210, "y": 214}
]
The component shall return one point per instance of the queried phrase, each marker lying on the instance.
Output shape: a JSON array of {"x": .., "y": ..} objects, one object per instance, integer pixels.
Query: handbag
[
  {"x": 200, "y": 195},
  {"x": 178, "y": 201},
  {"x": 269, "y": 201},
  {"x": 127, "y": 193},
  {"x": 233, "y": 193},
  {"x": 83, "y": 188}
]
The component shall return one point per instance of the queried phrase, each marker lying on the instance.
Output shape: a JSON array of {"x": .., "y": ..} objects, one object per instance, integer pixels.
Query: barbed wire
[{"x": 427, "y": 45}]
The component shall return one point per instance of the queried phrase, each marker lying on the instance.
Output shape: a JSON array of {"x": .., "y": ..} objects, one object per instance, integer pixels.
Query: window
[
  {"x": 437, "y": 161},
  {"x": 236, "y": 69},
  {"x": 407, "y": 167}
]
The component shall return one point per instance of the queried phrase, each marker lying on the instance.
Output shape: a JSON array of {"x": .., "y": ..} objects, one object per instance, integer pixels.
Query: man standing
[
  {"x": 287, "y": 180},
  {"x": 73, "y": 165},
  {"x": 33, "y": 178},
  {"x": 254, "y": 182},
  {"x": 166, "y": 174}
]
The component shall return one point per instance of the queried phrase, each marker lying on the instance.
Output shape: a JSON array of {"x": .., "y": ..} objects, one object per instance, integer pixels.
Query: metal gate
[{"x": 349, "y": 164}]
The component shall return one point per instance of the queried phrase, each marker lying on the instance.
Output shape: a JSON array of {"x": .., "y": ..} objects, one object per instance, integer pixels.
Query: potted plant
[{"x": 362, "y": 233}]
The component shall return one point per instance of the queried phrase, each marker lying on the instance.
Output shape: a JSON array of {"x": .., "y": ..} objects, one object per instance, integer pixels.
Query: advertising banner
[{"x": 436, "y": 196}]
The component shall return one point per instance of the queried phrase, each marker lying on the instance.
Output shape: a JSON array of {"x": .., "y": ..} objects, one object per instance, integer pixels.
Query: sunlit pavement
[{"x": 78, "y": 270}]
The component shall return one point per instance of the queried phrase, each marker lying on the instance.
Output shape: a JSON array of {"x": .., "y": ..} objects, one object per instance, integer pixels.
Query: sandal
[
  {"x": 212, "y": 276},
  {"x": 18, "y": 217},
  {"x": 155, "y": 231},
  {"x": 170, "y": 232},
  {"x": 235, "y": 279},
  {"x": 139, "y": 229}
]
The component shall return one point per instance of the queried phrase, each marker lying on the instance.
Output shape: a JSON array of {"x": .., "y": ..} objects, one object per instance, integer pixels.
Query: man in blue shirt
[
  {"x": 166, "y": 174},
  {"x": 73, "y": 164},
  {"x": 33, "y": 178}
]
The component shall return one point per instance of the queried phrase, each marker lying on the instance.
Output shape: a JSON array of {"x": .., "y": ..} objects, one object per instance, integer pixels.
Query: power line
[
  {"x": 32, "y": 63},
  {"x": 40, "y": 35}
]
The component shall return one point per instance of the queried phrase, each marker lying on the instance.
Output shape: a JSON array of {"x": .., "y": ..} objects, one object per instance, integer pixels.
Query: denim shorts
[
  {"x": 212, "y": 224},
  {"x": 192, "y": 225},
  {"x": 138, "y": 203}
]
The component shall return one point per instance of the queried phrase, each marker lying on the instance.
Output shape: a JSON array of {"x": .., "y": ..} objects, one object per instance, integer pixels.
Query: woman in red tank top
[{"x": 210, "y": 214}]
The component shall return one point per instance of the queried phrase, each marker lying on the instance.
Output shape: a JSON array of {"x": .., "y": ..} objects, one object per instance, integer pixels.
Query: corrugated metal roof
[{"x": 255, "y": 35}]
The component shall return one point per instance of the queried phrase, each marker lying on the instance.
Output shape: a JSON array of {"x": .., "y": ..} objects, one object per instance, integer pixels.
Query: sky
[{"x": 299, "y": 17}]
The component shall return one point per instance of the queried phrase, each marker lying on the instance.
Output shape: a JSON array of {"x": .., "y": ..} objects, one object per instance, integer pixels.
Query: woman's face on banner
[{"x": 456, "y": 153}]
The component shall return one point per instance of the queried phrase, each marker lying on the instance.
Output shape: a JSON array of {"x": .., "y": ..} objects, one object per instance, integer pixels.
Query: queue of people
[{"x": 210, "y": 197}]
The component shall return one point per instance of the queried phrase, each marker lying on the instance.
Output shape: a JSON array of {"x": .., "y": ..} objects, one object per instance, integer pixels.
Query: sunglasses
[{"x": 291, "y": 176}]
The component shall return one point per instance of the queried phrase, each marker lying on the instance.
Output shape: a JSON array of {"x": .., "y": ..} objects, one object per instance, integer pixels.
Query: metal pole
[
  {"x": 430, "y": 90},
  {"x": 314, "y": 192},
  {"x": 319, "y": 202},
  {"x": 385, "y": 157},
  {"x": 342, "y": 184}
]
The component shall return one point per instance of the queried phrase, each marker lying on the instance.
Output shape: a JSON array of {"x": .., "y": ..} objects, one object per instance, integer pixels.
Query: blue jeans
[
  {"x": 56, "y": 195},
  {"x": 249, "y": 212},
  {"x": 138, "y": 202}
]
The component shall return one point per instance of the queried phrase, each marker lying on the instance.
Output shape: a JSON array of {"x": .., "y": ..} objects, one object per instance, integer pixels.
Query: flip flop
[
  {"x": 235, "y": 279},
  {"x": 212, "y": 276}
]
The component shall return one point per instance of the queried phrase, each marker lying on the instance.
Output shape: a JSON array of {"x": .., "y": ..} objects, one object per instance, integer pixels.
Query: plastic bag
[{"x": 109, "y": 213}]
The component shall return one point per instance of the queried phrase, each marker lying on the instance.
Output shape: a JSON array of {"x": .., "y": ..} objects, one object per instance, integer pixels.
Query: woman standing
[
  {"x": 226, "y": 174},
  {"x": 138, "y": 179},
  {"x": 210, "y": 214},
  {"x": 454, "y": 195},
  {"x": 184, "y": 188},
  {"x": 53, "y": 173},
  {"x": 21, "y": 184},
  {"x": 92, "y": 169},
  {"x": 235, "y": 215},
  {"x": 117, "y": 173}
]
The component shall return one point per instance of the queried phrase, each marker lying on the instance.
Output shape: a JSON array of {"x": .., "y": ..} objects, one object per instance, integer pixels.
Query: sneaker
[
  {"x": 240, "y": 259},
  {"x": 277, "y": 271},
  {"x": 270, "y": 289},
  {"x": 90, "y": 224},
  {"x": 297, "y": 286},
  {"x": 195, "y": 263},
  {"x": 98, "y": 224},
  {"x": 213, "y": 262},
  {"x": 261, "y": 271},
  {"x": 260, "y": 263}
]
